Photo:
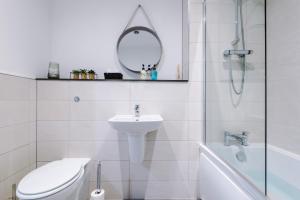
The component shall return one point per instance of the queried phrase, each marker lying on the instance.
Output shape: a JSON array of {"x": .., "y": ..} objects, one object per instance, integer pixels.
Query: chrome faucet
[
  {"x": 241, "y": 139},
  {"x": 137, "y": 110}
]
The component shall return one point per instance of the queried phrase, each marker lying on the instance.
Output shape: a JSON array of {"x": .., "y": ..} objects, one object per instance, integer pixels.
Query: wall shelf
[{"x": 115, "y": 80}]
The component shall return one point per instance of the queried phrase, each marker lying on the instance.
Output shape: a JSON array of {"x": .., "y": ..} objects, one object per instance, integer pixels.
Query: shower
[
  {"x": 241, "y": 53},
  {"x": 238, "y": 22}
]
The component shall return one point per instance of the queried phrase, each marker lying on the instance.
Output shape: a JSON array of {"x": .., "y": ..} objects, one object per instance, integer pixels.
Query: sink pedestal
[{"x": 136, "y": 148}]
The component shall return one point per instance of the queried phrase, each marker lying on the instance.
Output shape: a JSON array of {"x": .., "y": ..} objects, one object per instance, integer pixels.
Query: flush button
[{"x": 76, "y": 99}]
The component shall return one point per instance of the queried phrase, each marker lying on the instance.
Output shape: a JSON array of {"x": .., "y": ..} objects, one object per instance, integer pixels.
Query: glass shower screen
[{"x": 235, "y": 85}]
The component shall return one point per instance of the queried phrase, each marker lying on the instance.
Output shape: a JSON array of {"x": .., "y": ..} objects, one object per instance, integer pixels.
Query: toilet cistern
[{"x": 136, "y": 128}]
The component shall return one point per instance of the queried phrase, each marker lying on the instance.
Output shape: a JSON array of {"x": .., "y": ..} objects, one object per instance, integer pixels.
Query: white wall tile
[
  {"x": 159, "y": 92},
  {"x": 196, "y": 71},
  {"x": 100, "y": 91},
  {"x": 6, "y": 143},
  {"x": 50, "y": 151},
  {"x": 111, "y": 171},
  {"x": 170, "y": 130},
  {"x": 53, "y": 110},
  {"x": 90, "y": 110},
  {"x": 104, "y": 151},
  {"x": 93, "y": 131},
  {"x": 196, "y": 111},
  {"x": 159, "y": 171},
  {"x": 196, "y": 92},
  {"x": 4, "y": 169},
  {"x": 166, "y": 150},
  {"x": 14, "y": 88},
  {"x": 195, "y": 12},
  {"x": 196, "y": 52},
  {"x": 160, "y": 190},
  {"x": 17, "y": 132},
  {"x": 196, "y": 32},
  {"x": 114, "y": 190},
  {"x": 52, "y": 90},
  {"x": 196, "y": 130},
  {"x": 170, "y": 111},
  {"x": 52, "y": 130},
  {"x": 18, "y": 160},
  {"x": 16, "y": 112}
]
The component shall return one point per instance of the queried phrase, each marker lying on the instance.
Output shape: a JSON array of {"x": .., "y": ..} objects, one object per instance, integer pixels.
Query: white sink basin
[
  {"x": 136, "y": 129},
  {"x": 136, "y": 125}
]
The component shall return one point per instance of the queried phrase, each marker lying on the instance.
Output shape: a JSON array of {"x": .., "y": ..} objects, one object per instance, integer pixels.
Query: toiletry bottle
[
  {"x": 149, "y": 73},
  {"x": 143, "y": 73},
  {"x": 154, "y": 73},
  {"x": 178, "y": 75}
]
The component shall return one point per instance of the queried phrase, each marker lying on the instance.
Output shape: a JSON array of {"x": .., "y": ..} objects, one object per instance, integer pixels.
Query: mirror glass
[{"x": 139, "y": 46}]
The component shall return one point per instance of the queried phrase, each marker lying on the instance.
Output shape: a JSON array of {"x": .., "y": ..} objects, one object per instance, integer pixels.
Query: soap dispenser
[
  {"x": 154, "y": 73},
  {"x": 143, "y": 73},
  {"x": 149, "y": 72}
]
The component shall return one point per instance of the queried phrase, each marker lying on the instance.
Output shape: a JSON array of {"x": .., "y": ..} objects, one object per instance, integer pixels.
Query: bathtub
[
  {"x": 283, "y": 178},
  {"x": 248, "y": 182}
]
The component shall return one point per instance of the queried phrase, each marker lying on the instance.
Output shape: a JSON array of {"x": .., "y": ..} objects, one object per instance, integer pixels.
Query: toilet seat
[{"x": 51, "y": 178}]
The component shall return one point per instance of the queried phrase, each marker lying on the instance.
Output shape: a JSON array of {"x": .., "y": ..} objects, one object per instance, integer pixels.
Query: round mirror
[{"x": 139, "y": 46}]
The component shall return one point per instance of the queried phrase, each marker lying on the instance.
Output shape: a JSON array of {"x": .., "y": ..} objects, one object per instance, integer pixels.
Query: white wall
[
  {"x": 24, "y": 36},
  {"x": 283, "y": 74},
  {"x": 66, "y": 128},
  {"x": 17, "y": 131},
  {"x": 84, "y": 33}
]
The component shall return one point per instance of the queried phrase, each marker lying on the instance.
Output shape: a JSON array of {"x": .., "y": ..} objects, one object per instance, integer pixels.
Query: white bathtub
[
  {"x": 283, "y": 180},
  {"x": 283, "y": 177}
]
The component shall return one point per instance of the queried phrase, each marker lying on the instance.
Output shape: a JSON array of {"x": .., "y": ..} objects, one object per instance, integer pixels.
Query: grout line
[{"x": 16, "y": 149}]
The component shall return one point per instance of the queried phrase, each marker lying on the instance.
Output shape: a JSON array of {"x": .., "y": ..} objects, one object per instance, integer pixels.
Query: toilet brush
[
  {"x": 99, "y": 177},
  {"x": 99, "y": 193}
]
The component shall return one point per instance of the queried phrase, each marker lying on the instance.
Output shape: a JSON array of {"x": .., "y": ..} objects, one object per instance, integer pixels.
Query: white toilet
[{"x": 66, "y": 179}]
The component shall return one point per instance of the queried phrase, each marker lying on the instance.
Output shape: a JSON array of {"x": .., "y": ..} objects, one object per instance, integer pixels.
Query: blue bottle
[{"x": 154, "y": 73}]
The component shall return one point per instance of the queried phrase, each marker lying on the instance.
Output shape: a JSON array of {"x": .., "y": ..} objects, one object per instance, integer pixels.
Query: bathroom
[{"x": 197, "y": 111}]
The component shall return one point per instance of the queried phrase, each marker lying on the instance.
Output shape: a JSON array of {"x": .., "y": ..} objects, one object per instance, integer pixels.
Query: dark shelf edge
[{"x": 97, "y": 80}]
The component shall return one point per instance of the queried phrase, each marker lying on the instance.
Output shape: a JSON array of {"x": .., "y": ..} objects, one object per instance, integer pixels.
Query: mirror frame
[{"x": 138, "y": 28}]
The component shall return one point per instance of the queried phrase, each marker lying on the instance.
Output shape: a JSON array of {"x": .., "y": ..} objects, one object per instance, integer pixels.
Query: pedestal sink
[{"x": 136, "y": 129}]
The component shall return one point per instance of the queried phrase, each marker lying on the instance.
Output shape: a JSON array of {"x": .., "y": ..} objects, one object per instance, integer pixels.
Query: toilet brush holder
[{"x": 98, "y": 194}]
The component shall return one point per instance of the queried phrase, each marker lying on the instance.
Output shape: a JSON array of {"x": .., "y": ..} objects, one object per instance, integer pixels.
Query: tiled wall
[
  {"x": 225, "y": 109},
  {"x": 17, "y": 131},
  {"x": 283, "y": 74},
  {"x": 70, "y": 129}
]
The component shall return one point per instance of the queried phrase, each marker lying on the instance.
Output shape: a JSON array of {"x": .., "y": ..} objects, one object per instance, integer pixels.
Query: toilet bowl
[{"x": 65, "y": 179}]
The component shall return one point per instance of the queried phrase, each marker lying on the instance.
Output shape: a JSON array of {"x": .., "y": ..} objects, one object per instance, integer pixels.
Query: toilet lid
[{"x": 50, "y": 177}]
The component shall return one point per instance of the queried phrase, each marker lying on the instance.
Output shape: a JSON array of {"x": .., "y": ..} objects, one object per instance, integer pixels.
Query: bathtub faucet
[{"x": 242, "y": 138}]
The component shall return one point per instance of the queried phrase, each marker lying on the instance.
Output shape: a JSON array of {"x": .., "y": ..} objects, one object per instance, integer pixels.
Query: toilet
[{"x": 66, "y": 179}]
